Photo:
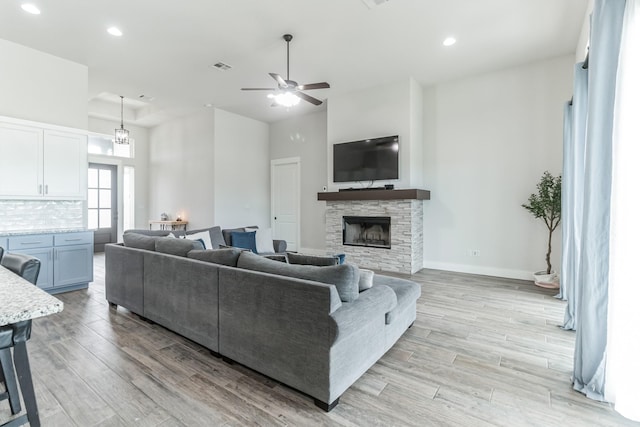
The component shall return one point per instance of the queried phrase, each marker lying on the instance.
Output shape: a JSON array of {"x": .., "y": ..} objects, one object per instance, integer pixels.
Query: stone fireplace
[
  {"x": 403, "y": 209},
  {"x": 366, "y": 231}
]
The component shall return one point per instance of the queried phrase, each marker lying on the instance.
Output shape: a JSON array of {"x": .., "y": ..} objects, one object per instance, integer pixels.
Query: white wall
[
  {"x": 41, "y": 87},
  {"x": 140, "y": 162},
  {"x": 241, "y": 171},
  {"x": 306, "y": 137},
  {"x": 181, "y": 169},
  {"x": 488, "y": 139},
  {"x": 370, "y": 113}
]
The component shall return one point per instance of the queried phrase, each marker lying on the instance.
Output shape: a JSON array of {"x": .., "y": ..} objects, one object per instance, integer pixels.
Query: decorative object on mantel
[
  {"x": 547, "y": 205},
  {"x": 122, "y": 135},
  {"x": 164, "y": 217}
]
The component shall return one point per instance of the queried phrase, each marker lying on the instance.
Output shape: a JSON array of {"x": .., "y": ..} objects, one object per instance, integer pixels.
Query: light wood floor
[{"x": 483, "y": 352}]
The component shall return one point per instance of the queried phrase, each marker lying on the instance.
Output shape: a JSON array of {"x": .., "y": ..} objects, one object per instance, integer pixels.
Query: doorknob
[{"x": 275, "y": 217}]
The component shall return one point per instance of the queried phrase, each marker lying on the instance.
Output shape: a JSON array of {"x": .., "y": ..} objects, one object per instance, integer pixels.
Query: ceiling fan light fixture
[{"x": 287, "y": 99}]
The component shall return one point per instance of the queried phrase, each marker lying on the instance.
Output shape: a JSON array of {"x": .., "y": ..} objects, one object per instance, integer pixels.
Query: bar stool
[{"x": 15, "y": 336}]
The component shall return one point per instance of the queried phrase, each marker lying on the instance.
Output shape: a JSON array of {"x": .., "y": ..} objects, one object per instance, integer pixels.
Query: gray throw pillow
[
  {"x": 345, "y": 277},
  {"x": 179, "y": 247},
  {"x": 139, "y": 241},
  {"x": 366, "y": 280},
  {"x": 217, "y": 256},
  {"x": 295, "y": 258}
]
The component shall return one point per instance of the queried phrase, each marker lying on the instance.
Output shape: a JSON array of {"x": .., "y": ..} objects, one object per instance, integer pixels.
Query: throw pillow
[
  {"x": 244, "y": 239},
  {"x": 203, "y": 235},
  {"x": 345, "y": 277},
  {"x": 139, "y": 241},
  {"x": 264, "y": 240},
  {"x": 179, "y": 247},
  {"x": 217, "y": 256},
  {"x": 366, "y": 280},
  {"x": 295, "y": 258},
  {"x": 215, "y": 235}
]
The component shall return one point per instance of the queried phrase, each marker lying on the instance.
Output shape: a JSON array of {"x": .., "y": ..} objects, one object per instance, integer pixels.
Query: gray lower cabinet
[{"x": 66, "y": 259}]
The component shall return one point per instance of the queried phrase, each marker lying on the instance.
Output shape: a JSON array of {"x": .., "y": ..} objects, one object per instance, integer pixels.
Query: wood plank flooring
[{"x": 483, "y": 352}]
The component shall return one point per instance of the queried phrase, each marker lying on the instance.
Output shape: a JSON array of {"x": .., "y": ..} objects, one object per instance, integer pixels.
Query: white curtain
[
  {"x": 592, "y": 290},
  {"x": 622, "y": 385},
  {"x": 573, "y": 194}
]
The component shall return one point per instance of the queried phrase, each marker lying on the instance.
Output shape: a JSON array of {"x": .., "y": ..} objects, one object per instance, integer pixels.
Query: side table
[{"x": 169, "y": 225}]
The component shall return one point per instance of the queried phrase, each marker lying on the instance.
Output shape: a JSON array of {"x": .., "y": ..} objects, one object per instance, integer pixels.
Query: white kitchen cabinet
[
  {"x": 65, "y": 165},
  {"x": 20, "y": 161},
  {"x": 38, "y": 163}
]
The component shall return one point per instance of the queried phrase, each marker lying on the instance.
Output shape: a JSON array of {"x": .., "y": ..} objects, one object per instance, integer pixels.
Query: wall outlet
[{"x": 474, "y": 252}]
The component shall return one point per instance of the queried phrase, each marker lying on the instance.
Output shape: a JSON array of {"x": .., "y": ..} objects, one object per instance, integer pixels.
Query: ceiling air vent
[{"x": 221, "y": 66}]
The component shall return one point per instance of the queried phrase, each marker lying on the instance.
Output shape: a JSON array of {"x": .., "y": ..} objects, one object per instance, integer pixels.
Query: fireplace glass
[{"x": 371, "y": 231}]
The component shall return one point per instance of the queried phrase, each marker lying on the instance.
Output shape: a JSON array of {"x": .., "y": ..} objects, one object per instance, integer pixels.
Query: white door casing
[{"x": 285, "y": 201}]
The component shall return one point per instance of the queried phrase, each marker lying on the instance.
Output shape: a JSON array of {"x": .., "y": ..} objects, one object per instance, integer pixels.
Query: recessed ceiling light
[
  {"x": 449, "y": 41},
  {"x": 114, "y": 31},
  {"x": 30, "y": 8},
  {"x": 208, "y": 105}
]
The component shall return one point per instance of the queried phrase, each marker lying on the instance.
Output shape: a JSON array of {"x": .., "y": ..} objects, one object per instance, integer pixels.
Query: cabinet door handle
[
  {"x": 30, "y": 243},
  {"x": 72, "y": 240},
  {"x": 40, "y": 189},
  {"x": 46, "y": 189}
]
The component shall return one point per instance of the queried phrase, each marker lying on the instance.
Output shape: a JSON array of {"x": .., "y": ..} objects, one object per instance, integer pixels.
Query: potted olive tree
[{"x": 546, "y": 205}]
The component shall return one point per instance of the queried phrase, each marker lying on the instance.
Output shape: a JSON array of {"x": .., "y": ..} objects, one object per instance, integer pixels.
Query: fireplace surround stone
[{"x": 406, "y": 252}]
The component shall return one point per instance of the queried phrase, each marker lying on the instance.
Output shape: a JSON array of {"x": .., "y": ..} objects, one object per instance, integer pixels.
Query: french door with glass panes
[{"x": 102, "y": 204}]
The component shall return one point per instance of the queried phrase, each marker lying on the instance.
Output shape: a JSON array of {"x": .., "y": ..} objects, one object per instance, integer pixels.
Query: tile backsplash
[{"x": 28, "y": 215}]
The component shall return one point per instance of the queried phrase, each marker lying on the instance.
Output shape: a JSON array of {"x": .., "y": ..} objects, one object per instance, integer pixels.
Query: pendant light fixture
[{"x": 122, "y": 135}]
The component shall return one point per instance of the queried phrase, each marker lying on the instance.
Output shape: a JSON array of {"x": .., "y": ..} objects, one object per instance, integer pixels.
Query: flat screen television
[{"x": 367, "y": 160}]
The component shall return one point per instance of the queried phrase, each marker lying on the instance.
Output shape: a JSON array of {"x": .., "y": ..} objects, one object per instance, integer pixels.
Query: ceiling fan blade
[
  {"x": 257, "y": 88},
  {"x": 310, "y": 86},
  {"x": 311, "y": 99},
  {"x": 279, "y": 79}
]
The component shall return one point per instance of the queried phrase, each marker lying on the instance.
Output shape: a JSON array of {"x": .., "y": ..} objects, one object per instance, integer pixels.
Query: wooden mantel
[{"x": 408, "y": 194}]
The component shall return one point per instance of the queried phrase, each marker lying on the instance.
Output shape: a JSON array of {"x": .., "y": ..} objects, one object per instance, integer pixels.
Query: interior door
[
  {"x": 102, "y": 204},
  {"x": 285, "y": 201}
]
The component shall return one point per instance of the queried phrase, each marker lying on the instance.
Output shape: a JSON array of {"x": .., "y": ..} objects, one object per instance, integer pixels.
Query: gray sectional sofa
[{"x": 306, "y": 326}]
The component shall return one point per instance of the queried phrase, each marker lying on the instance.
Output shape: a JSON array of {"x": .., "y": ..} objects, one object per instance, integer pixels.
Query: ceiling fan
[{"x": 289, "y": 92}]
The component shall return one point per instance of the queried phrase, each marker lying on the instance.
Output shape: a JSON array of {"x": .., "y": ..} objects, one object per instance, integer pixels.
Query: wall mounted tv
[{"x": 366, "y": 160}]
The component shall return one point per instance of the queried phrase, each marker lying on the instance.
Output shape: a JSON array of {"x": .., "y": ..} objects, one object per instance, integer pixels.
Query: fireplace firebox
[{"x": 374, "y": 231}]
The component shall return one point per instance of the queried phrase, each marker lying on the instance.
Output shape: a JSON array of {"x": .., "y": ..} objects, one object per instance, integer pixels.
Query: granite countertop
[
  {"x": 22, "y": 300},
  {"x": 27, "y": 232}
]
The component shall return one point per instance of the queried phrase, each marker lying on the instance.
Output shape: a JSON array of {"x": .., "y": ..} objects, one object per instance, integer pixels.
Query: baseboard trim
[{"x": 484, "y": 271}]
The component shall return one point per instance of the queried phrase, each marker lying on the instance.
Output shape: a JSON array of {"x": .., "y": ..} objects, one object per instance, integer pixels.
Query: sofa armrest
[
  {"x": 373, "y": 303},
  {"x": 279, "y": 246}
]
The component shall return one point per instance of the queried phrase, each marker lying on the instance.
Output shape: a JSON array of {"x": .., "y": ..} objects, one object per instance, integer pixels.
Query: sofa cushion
[
  {"x": 366, "y": 280},
  {"x": 344, "y": 277},
  {"x": 215, "y": 236},
  {"x": 217, "y": 256},
  {"x": 406, "y": 291},
  {"x": 295, "y": 258},
  {"x": 145, "y": 232},
  {"x": 139, "y": 241},
  {"x": 244, "y": 239},
  {"x": 179, "y": 247},
  {"x": 264, "y": 240}
]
